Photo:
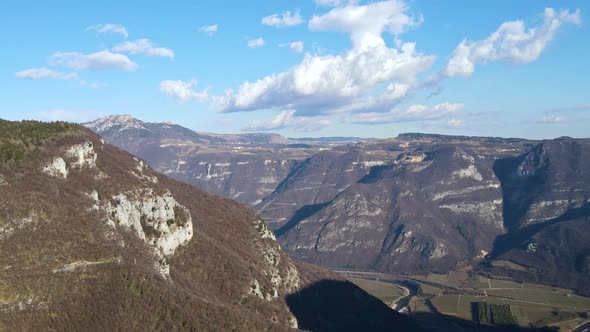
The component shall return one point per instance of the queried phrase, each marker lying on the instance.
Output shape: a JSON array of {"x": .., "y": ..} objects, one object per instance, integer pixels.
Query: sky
[{"x": 303, "y": 68}]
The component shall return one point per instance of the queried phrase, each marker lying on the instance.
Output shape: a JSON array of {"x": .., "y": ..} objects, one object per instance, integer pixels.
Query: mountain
[
  {"x": 435, "y": 205},
  {"x": 422, "y": 203},
  {"x": 93, "y": 239},
  {"x": 547, "y": 212},
  {"x": 450, "y": 202},
  {"x": 228, "y": 165},
  {"x": 317, "y": 180}
]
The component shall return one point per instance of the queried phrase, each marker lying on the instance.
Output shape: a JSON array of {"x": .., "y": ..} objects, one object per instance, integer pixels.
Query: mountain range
[{"x": 416, "y": 203}]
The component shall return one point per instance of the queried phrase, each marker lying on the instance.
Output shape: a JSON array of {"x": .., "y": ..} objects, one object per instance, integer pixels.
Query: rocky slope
[
  {"x": 93, "y": 239},
  {"x": 547, "y": 213},
  {"x": 436, "y": 206},
  {"x": 317, "y": 180},
  {"x": 244, "y": 167}
]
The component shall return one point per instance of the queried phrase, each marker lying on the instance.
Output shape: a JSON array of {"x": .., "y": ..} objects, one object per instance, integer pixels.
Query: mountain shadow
[
  {"x": 520, "y": 237},
  {"x": 301, "y": 214},
  {"x": 332, "y": 305},
  {"x": 520, "y": 186}
]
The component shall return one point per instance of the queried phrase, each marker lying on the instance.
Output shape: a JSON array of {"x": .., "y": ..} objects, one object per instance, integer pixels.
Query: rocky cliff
[
  {"x": 436, "y": 206},
  {"x": 547, "y": 214}
]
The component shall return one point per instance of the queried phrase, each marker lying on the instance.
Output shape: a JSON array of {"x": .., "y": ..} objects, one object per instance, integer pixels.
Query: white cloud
[
  {"x": 365, "y": 24},
  {"x": 412, "y": 113},
  {"x": 43, "y": 73},
  {"x": 102, "y": 60},
  {"x": 144, "y": 46},
  {"x": 254, "y": 43},
  {"x": 109, "y": 28},
  {"x": 286, "y": 19},
  {"x": 512, "y": 42},
  {"x": 552, "y": 119},
  {"x": 296, "y": 46},
  {"x": 454, "y": 123},
  {"x": 369, "y": 75},
  {"x": 183, "y": 91},
  {"x": 287, "y": 119},
  {"x": 324, "y": 84},
  {"x": 210, "y": 29},
  {"x": 335, "y": 3}
]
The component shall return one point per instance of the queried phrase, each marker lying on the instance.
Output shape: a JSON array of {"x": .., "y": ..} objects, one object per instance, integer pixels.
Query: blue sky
[{"x": 316, "y": 68}]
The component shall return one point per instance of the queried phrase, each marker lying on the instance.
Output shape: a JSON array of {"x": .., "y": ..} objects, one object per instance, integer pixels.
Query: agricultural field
[
  {"x": 508, "y": 264},
  {"x": 529, "y": 304},
  {"x": 386, "y": 292},
  {"x": 428, "y": 289},
  {"x": 459, "y": 294}
]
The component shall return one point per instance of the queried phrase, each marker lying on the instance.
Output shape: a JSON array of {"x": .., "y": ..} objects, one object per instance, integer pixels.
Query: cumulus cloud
[
  {"x": 183, "y": 91},
  {"x": 286, "y": 19},
  {"x": 367, "y": 23},
  {"x": 102, "y": 60},
  {"x": 296, "y": 46},
  {"x": 44, "y": 73},
  {"x": 511, "y": 42},
  {"x": 370, "y": 74},
  {"x": 287, "y": 119},
  {"x": 411, "y": 114},
  {"x": 255, "y": 43},
  {"x": 325, "y": 84},
  {"x": 109, "y": 28},
  {"x": 144, "y": 46},
  {"x": 210, "y": 29}
]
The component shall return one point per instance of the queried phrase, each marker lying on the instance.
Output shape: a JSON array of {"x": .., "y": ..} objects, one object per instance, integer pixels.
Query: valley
[
  {"x": 454, "y": 297},
  {"x": 311, "y": 166}
]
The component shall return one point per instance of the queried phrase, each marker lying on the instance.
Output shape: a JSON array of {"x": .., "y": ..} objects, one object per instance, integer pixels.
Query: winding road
[{"x": 410, "y": 290}]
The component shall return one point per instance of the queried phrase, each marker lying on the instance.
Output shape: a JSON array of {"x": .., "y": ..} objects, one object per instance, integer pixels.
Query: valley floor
[{"x": 454, "y": 297}]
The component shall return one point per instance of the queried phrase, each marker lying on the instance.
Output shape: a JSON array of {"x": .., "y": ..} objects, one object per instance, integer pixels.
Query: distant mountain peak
[{"x": 121, "y": 121}]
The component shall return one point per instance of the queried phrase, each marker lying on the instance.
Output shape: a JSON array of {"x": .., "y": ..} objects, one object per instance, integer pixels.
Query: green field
[
  {"x": 458, "y": 294},
  {"x": 429, "y": 290},
  {"x": 438, "y": 278},
  {"x": 509, "y": 265},
  {"x": 530, "y": 304},
  {"x": 384, "y": 291}
]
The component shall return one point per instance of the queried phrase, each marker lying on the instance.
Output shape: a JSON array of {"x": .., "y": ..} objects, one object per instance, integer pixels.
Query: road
[
  {"x": 410, "y": 290},
  {"x": 583, "y": 328}
]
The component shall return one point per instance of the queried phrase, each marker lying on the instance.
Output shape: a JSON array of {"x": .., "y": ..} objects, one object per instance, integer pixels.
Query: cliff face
[
  {"x": 415, "y": 203},
  {"x": 431, "y": 209},
  {"x": 317, "y": 180},
  {"x": 547, "y": 212},
  {"x": 93, "y": 238},
  {"x": 246, "y": 167}
]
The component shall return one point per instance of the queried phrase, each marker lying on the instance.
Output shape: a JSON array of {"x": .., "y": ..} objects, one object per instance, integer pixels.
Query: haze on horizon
[{"x": 306, "y": 68}]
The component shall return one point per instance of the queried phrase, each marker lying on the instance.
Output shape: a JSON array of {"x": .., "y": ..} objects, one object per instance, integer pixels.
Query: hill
[{"x": 93, "y": 239}]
